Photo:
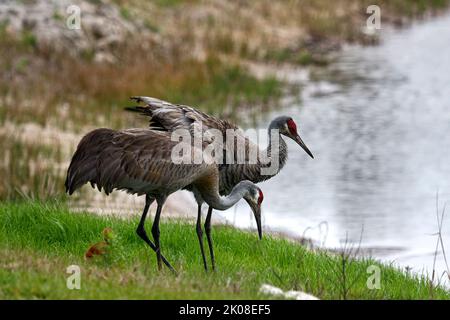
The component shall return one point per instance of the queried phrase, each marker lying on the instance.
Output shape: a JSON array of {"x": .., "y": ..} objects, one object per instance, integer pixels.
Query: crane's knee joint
[{"x": 141, "y": 232}]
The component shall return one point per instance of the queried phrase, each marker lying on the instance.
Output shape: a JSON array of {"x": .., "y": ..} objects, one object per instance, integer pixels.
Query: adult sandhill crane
[
  {"x": 139, "y": 161},
  {"x": 170, "y": 117}
]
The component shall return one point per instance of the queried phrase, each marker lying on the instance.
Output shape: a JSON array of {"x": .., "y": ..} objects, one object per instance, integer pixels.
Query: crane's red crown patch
[
  {"x": 292, "y": 126},
  {"x": 261, "y": 197}
]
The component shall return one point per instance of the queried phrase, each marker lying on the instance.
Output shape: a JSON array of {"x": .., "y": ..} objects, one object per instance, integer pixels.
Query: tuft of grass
[
  {"x": 125, "y": 13},
  {"x": 172, "y": 3},
  {"x": 22, "y": 65},
  {"x": 38, "y": 241},
  {"x": 302, "y": 57},
  {"x": 57, "y": 15},
  {"x": 151, "y": 26},
  {"x": 29, "y": 40}
]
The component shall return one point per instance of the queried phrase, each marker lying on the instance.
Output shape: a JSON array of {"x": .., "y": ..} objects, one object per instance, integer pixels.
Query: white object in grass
[{"x": 291, "y": 294}]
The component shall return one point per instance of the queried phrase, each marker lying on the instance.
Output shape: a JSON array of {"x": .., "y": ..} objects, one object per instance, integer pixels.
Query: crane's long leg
[
  {"x": 155, "y": 231},
  {"x": 200, "y": 235},
  {"x": 143, "y": 235},
  {"x": 208, "y": 236}
]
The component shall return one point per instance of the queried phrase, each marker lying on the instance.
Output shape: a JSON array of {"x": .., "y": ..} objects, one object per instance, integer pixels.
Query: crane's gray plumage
[
  {"x": 169, "y": 117},
  {"x": 135, "y": 160},
  {"x": 139, "y": 161}
]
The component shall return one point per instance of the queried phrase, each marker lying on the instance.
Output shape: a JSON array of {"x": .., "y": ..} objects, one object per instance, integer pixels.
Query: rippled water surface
[{"x": 378, "y": 123}]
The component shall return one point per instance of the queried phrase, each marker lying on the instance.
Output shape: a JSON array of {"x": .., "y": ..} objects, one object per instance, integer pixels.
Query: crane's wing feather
[
  {"x": 169, "y": 117},
  {"x": 136, "y": 160}
]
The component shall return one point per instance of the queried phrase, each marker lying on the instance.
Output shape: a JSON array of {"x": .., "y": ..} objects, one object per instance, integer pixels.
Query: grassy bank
[{"x": 38, "y": 242}]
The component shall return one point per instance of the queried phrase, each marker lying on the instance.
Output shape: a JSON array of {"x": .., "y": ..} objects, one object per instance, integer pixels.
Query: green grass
[
  {"x": 301, "y": 57},
  {"x": 170, "y": 3},
  {"x": 38, "y": 242}
]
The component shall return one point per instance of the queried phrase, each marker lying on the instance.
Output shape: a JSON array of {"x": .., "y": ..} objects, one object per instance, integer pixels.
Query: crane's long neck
[
  {"x": 276, "y": 152},
  {"x": 212, "y": 197},
  {"x": 270, "y": 162}
]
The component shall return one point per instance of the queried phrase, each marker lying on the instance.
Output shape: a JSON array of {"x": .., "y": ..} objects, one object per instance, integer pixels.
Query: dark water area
[{"x": 378, "y": 123}]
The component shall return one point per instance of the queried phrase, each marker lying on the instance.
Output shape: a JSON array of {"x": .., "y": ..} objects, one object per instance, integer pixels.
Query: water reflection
[{"x": 378, "y": 123}]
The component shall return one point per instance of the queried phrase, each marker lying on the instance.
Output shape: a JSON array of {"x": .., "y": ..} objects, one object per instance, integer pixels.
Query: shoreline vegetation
[
  {"x": 38, "y": 242},
  {"x": 220, "y": 56}
]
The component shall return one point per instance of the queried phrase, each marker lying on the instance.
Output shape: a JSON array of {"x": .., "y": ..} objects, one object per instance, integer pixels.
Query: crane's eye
[{"x": 292, "y": 127}]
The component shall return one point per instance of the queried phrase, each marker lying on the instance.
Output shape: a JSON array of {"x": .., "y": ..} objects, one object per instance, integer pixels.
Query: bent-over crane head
[
  {"x": 254, "y": 198},
  {"x": 287, "y": 127}
]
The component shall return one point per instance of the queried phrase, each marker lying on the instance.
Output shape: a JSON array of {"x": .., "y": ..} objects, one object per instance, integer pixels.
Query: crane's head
[
  {"x": 287, "y": 127},
  {"x": 254, "y": 197}
]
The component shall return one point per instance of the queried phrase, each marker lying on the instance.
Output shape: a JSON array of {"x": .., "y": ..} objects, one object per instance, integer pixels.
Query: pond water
[{"x": 378, "y": 123}]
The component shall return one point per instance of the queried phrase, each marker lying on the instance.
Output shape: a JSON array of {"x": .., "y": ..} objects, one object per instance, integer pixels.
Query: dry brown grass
[
  {"x": 258, "y": 29},
  {"x": 65, "y": 91},
  {"x": 29, "y": 170}
]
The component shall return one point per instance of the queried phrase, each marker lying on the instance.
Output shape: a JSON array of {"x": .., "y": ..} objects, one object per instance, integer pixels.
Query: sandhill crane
[
  {"x": 169, "y": 117},
  {"x": 139, "y": 162}
]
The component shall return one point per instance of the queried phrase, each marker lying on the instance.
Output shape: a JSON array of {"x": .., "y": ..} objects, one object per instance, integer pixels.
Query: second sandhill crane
[
  {"x": 139, "y": 161},
  {"x": 169, "y": 117}
]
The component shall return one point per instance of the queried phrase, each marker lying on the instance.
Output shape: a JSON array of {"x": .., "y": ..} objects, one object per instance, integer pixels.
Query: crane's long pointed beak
[
  {"x": 303, "y": 145},
  {"x": 258, "y": 222}
]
